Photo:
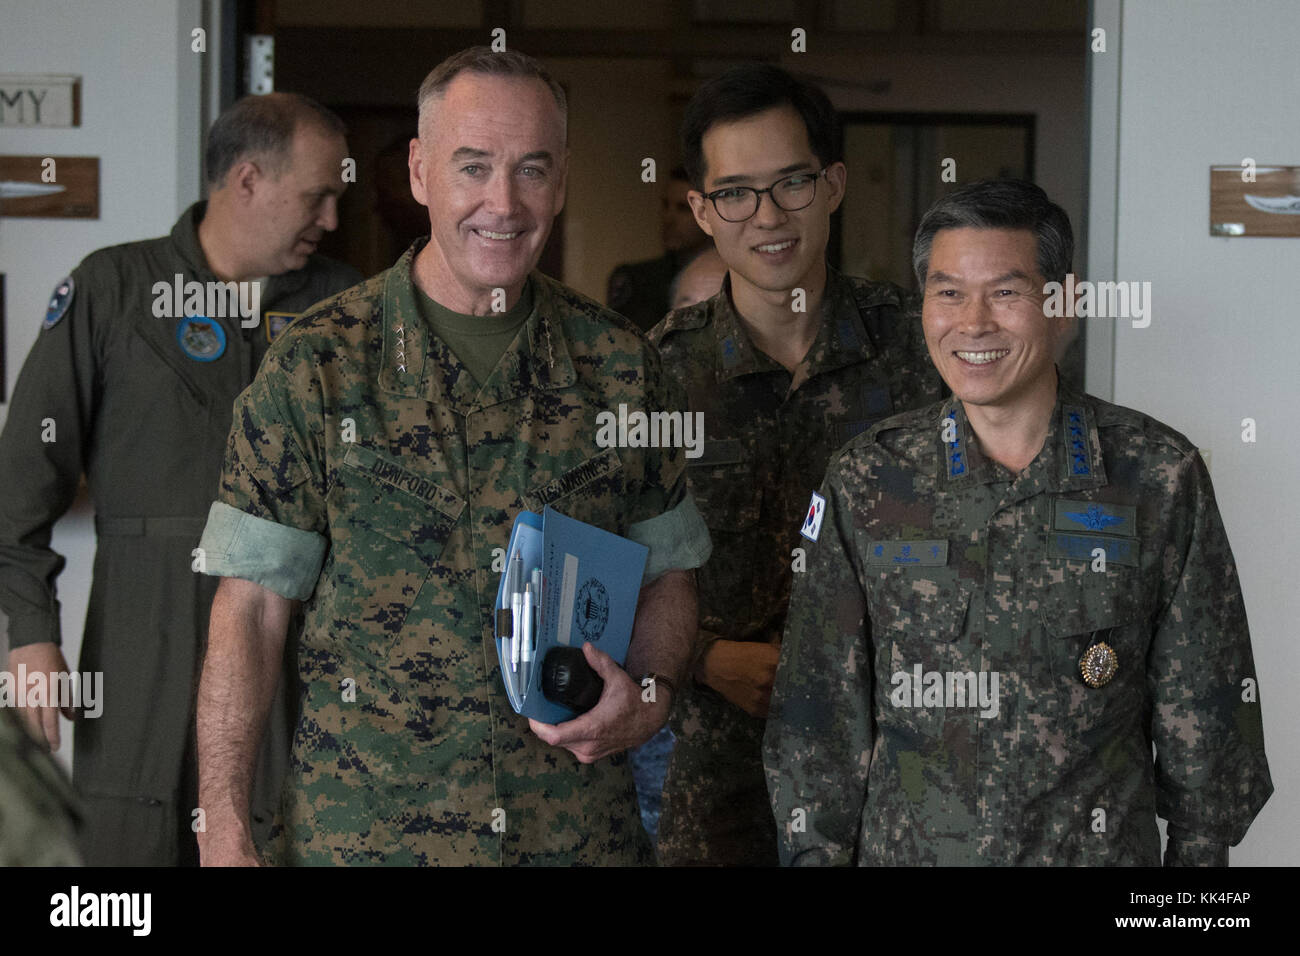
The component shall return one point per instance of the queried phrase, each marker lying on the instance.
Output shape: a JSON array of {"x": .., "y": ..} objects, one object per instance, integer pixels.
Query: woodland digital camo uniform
[
  {"x": 765, "y": 451},
  {"x": 147, "y": 424},
  {"x": 390, "y": 539},
  {"x": 931, "y": 555}
]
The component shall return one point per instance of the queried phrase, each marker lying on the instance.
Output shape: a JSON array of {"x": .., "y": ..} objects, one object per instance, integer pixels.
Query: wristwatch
[{"x": 659, "y": 681}]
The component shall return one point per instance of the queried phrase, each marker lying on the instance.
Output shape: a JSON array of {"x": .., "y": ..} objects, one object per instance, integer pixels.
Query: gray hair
[
  {"x": 262, "y": 126},
  {"x": 482, "y": 60},
  {"x": 1000, "y": 204}
]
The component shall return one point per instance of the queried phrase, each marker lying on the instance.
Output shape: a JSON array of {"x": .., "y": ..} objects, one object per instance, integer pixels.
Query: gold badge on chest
[{"x": 1098, "y": 664}]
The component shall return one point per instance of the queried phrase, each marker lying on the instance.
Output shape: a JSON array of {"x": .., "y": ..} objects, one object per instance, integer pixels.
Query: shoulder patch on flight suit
[
  {"x": 200, "y": 339},
  {"x": 60, "y": 299}
]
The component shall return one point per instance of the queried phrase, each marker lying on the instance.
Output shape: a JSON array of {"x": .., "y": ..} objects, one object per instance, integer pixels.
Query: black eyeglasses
[{"x": 738, "y": 203}]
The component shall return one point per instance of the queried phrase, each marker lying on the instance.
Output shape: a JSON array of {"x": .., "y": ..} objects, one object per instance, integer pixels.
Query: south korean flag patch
[{"x": 812, "y": 524}]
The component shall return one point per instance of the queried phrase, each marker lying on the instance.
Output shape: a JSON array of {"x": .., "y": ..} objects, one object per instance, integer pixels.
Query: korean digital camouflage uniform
[
  {"x": 932, "y": 555},
  {"x": 365, "y": 444},
  {"x": 38, "y": 811},
  {"x": 769, "y": 435},
  {"x": 147, "y": 424}
]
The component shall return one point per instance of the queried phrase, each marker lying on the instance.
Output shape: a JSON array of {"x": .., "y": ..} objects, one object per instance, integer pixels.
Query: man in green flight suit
[
  {"x": 131, "y": 382},
  {"x": 374, "y": 470},
  {"x": 1011, "y": 596},
  {"x": 787, "y": 362}
]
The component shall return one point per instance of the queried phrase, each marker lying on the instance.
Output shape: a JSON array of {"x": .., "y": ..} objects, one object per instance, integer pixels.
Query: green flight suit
[
  {"x": 146, "y": 421},
  {"x": 932, "y": 704},
  {"x": 768, "y": 436},
  {"x": 370, "y": 475}
]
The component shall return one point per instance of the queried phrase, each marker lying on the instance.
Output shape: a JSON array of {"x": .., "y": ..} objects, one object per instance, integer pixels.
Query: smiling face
[
  {"x": 983, "y": 317},
  {"x": 774, "y": 250},
  {"x": 291, "y": 211},
  {"x": 490, "y": 167}
]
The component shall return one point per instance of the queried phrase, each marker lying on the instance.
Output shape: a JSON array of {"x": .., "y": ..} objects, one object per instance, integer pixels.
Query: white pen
[
  {"x": 526, "y": 651},
  {"x": 517, "y": 628}
]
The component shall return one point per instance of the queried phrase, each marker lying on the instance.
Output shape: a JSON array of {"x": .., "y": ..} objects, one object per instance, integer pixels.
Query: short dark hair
[
  {"x": 484, "y": 60},
  {"x": 752, "y": 88},
  {"x": 263, "y": 126},
  {"x": 1000, "y": 204}
]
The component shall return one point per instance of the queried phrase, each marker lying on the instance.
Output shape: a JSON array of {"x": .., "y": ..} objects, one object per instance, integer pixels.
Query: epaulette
[{"x": 1154, "y": 431}]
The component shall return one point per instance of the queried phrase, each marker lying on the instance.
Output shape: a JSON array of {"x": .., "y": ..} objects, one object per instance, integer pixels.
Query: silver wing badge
[
  {"x": 1284, "y": 205},
  {"x": 16, "y": 189}
]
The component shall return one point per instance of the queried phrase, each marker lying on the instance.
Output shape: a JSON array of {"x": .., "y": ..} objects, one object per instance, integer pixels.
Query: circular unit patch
[{"x": 201, "y": 339}]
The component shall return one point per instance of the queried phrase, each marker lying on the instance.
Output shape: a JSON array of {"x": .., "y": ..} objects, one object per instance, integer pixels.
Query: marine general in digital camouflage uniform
[
  {"x": 376, "y": 465},
  {"x": 968, "y": 538},
  {"x": 781, "y": 384},
  {"x": 140, "y": 398}
]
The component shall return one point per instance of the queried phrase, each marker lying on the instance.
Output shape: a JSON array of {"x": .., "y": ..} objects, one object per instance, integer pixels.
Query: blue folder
[{"x": 591, "y": 580}]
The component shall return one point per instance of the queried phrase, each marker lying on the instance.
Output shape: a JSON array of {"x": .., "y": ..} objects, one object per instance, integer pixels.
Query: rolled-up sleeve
[
  {"x": 678, "y": 539},
  {"x": 285, "y": 560},
  {"x": 268, "y": 524}
]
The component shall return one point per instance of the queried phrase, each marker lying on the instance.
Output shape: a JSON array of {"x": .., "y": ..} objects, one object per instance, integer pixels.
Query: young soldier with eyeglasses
[{"x": 787, "y": 361}]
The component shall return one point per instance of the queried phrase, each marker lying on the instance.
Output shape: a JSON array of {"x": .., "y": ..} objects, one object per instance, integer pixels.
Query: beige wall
[{"x": 618, "y": 115}]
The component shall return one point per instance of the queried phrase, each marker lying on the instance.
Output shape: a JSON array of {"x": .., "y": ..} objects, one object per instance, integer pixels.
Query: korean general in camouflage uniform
[
  {"x": 375, "y": 475},
  {"x": 769, "y": 428},
  {"x": 140, "y": 403},
  {"x": 1077, "y": 555}
]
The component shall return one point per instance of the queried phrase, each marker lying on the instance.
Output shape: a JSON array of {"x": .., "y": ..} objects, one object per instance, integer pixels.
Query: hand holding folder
[{"x": 566, "y": 583}]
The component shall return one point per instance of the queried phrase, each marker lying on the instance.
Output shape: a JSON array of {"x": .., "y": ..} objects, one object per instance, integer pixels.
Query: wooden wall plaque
[
  {"x": 1269, "y": 206},
  {"x": 73, "y": 194}
]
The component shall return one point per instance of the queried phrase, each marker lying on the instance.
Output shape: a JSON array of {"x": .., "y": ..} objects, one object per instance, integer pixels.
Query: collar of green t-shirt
[{"x": 478, "y": 341}]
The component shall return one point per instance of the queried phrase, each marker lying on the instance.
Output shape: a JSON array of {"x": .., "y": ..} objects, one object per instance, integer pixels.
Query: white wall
[
  {"x": 1206, "y": 83},
  {"x": 142, "y": 115}
]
